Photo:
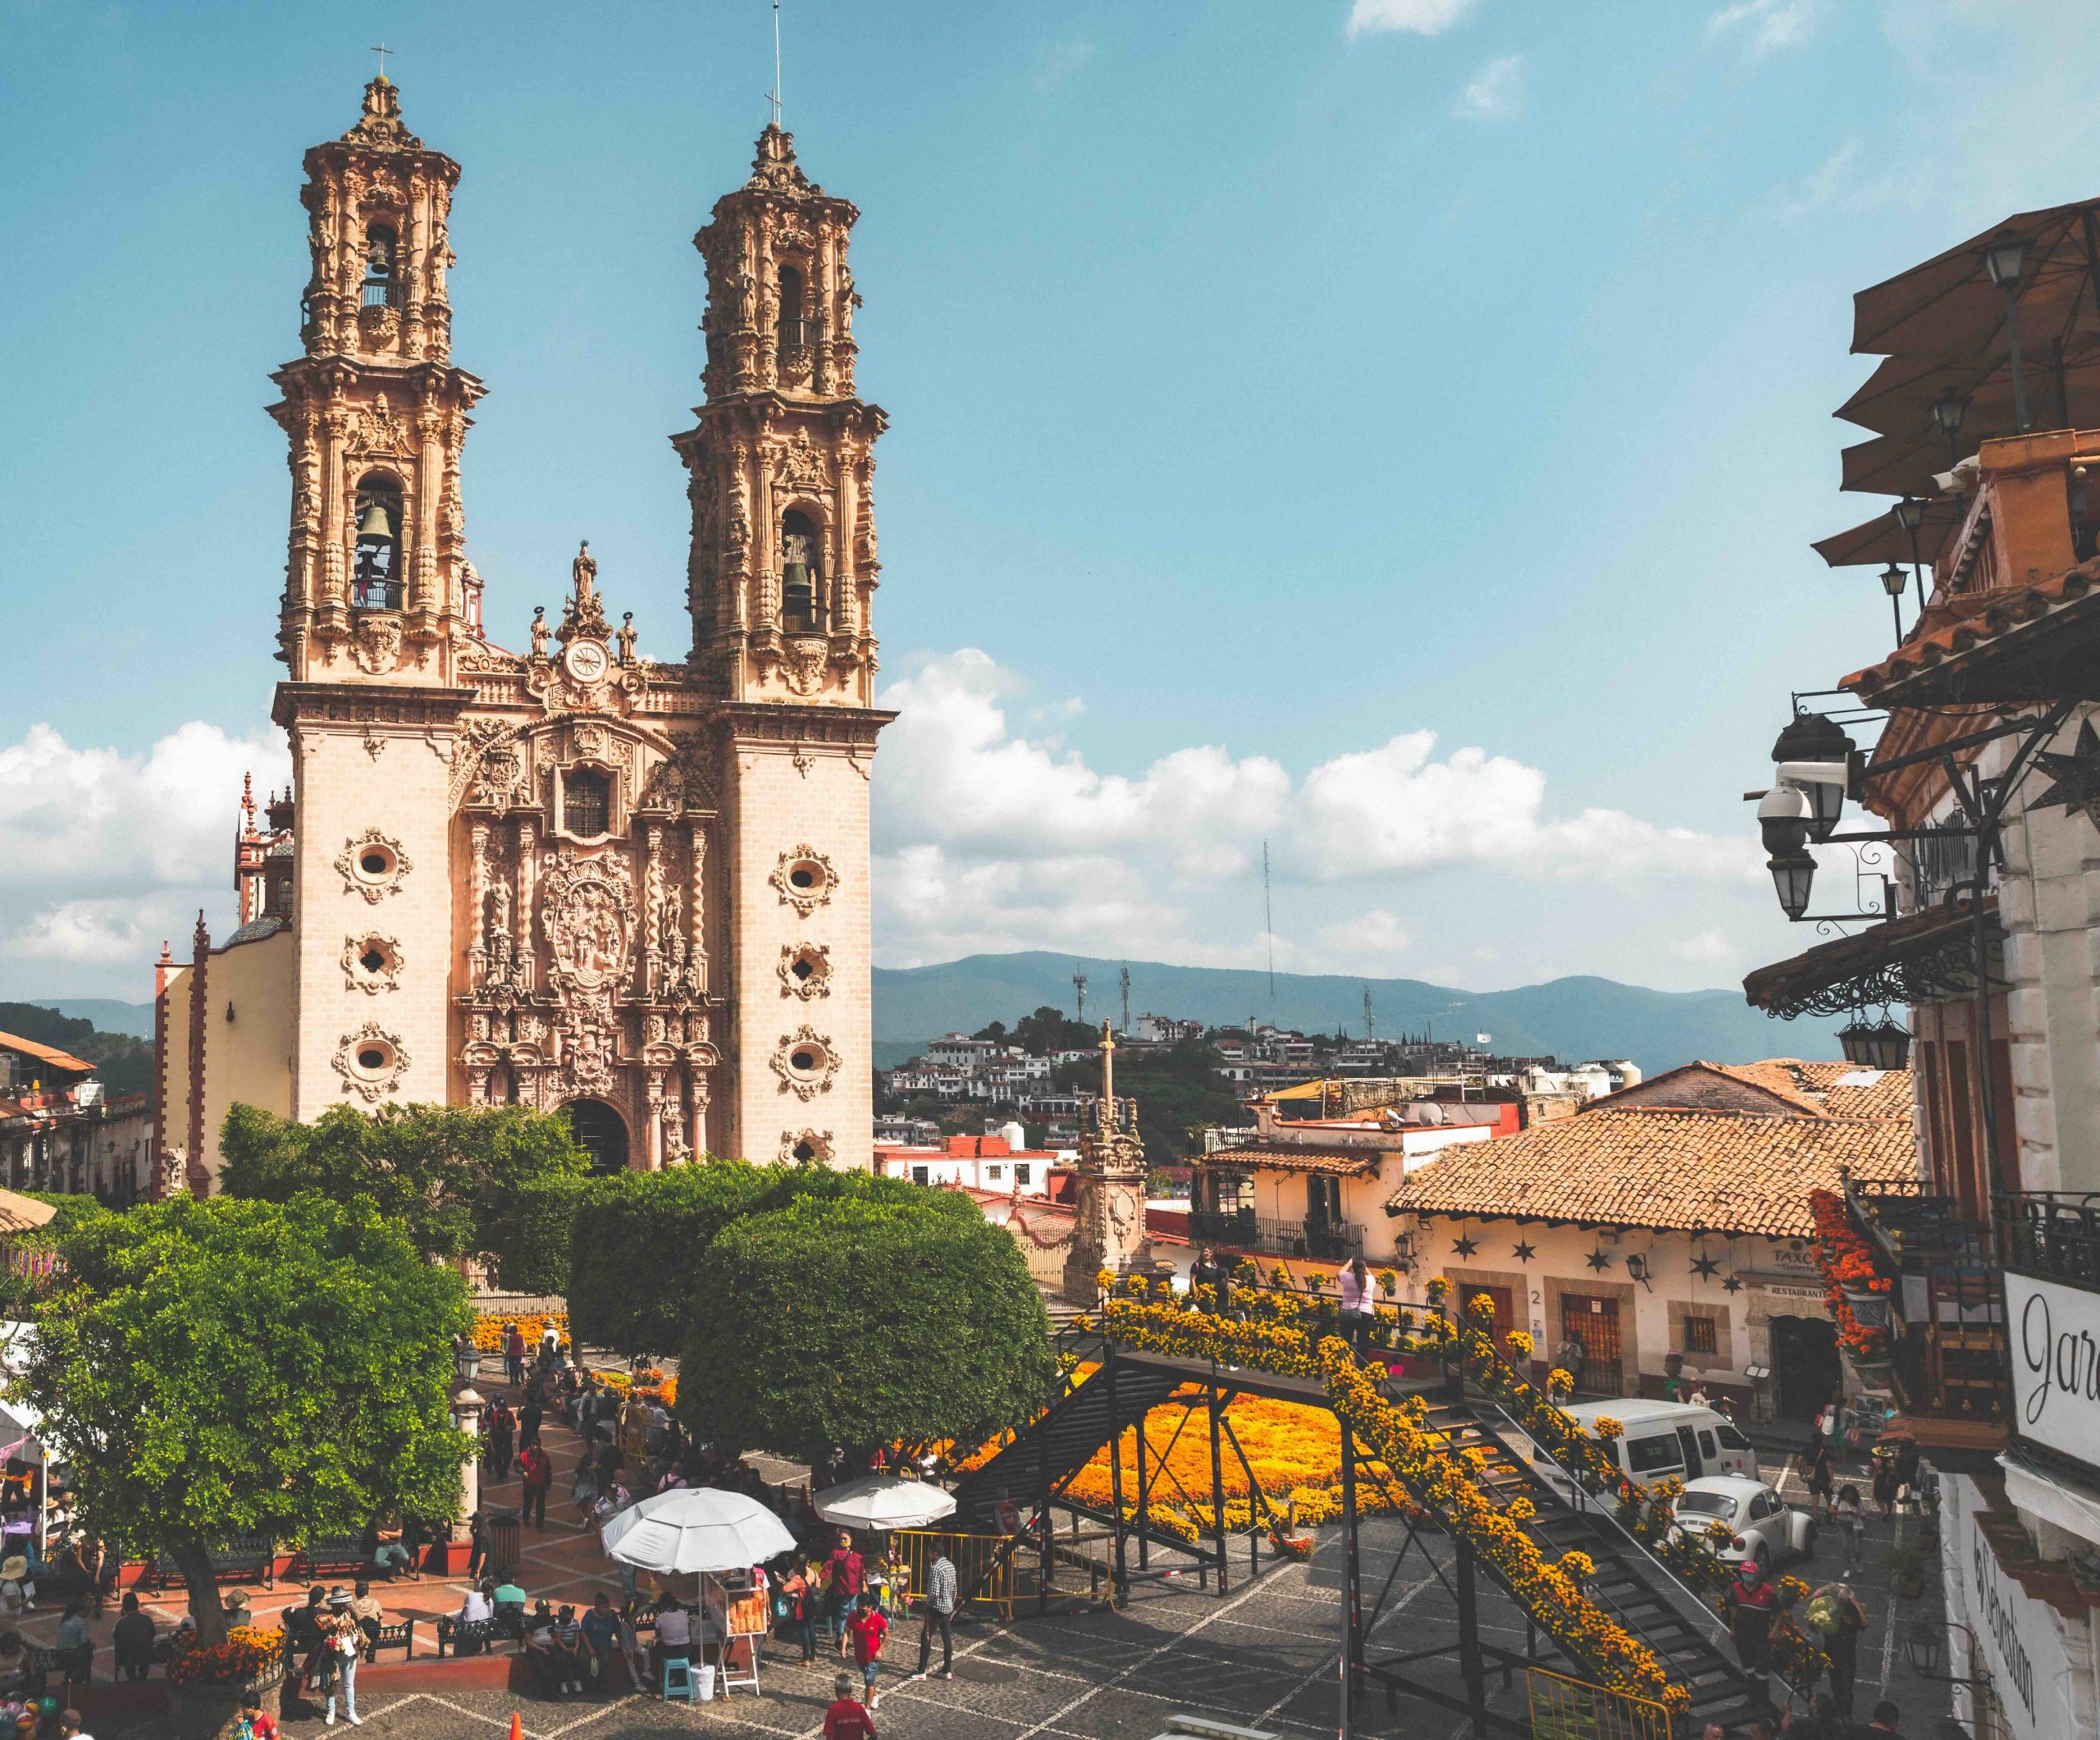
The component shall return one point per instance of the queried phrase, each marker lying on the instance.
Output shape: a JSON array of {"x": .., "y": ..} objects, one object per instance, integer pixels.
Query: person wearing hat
[
  {"x": 1752, "y": 1600},
  {"x": 342, "y": 1641},
  {"x": 303, "y": 1640},
  {"x": 17, "y": 1592}
]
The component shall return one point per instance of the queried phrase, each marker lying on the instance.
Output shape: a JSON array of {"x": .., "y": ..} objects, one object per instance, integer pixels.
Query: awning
[
  {"x": 2018, "y": 644},
  {"x": 1334, "y": 1162},
  {"x": 1948, "y": 304},
  {"x": 23, "y": 1213},
  {"x": 1880, "y": 540},
  {"x": 1922, "y": 957}
]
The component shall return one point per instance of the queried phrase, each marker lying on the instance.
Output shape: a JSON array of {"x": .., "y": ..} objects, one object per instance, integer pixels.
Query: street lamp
[
  {"x": 2003, "y": 261},
  {"x": 1785, "y": 817},
  {"x": 1814, "y": 753},
  {"x": 1879, "y": 1045},
  {"x": 1793, "y": 875},
  {"x": 1892, "y": 577},
  {"x": 1947, "y": 410},
  {"x": 1921, "y": 1643}
]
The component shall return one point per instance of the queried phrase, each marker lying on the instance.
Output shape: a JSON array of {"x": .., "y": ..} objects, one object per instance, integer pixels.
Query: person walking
[
  {"x": 1750, "y": 1603},
  {"x": 1838, "y": 1619},
  {"x": 342, "y": 1643},
  {"x": 1819, "y": 1475},
  {"x": 1359, "y": 1308},
  {"x": 844, "y": 1572},
  {"x": 76, "y": 1653},
  {"x": 530, "y": 1413},
  {"x": 502, "y": 1439},
  {"x": 1906, "y": 1471},
  {"x": 477, "y": 1545},
  {"x": 940, "y": 1615},
  {"x": 514, "y": 1354},
  {"x": 1885, "y": 1483},
  {"x": 536, "y": 1474},
  {"x": 869, "y": 1628},
  {"x": 1850, "y": 1516},
  {"x": 800, "y": 1593},
  {"x": 847, "y": 1719}
]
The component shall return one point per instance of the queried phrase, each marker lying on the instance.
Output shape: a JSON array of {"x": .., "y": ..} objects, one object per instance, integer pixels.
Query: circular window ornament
[
  {"x": 804, "y": 879},
  {"x": 372, "y": 963},
  {"x": 804, "y": 970},
  {"x": 806, "y": 1148},
  {"x": 370, "y": 1061},
  {"x": 372, "y": 863},
  {"x": 806, "y": 1063}
]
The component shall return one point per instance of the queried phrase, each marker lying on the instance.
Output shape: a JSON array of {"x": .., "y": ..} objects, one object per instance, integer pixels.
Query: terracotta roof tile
[
  {"x": 1954, "y": 625},
  {"x": 1724, "y": 1171},
  {"x": 50, "y": 1054},
  {"x": 1338, "y": 1162}
]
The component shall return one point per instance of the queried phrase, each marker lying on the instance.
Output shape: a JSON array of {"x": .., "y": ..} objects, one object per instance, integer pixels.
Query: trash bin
[{"x": 504, "y": 1546}]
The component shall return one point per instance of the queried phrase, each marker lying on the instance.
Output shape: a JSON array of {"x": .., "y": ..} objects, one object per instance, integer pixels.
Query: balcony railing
[
  {"x": 2052, "y": 1236},
  {"x": 1320, "y": 1241}
]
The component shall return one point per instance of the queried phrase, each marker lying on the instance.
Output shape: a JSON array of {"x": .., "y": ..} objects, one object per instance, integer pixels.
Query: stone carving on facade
[
  {"x": 803, "y": 666},
  {"x": 799, "y": 461},
  {"x": 378, "y": 430},
  {"x": 806, "y": 1148},
  {"x": 805, "y": 970},
  {"x": 584, "y": 613},
  {"x": 805, "y": 1062},
  {"x": 680, "y": 781},
  {"x": 804, "y": 879},
  {"x": 372, "y": 963},
  {"x": 1109, "y": 1218},
  {"x": 540, "y": 631},
  {"x": 370, "y": 1061},
  {"x": 376, "y": 644},
  {"x": 373, "y": 865},
  {"x": 587, "y": 913}
]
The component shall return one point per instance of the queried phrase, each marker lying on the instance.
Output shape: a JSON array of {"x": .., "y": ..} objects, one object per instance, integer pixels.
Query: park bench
[
  {"x": 472, "y": 1638},
  {"x": 401, "y": 1636},
  {"x": 336, "y": 1555},
  {"x": 242, "y": 1558}
]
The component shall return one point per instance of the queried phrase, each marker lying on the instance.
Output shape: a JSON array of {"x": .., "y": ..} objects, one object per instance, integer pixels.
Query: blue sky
[{"x": 1390, "y": 427}]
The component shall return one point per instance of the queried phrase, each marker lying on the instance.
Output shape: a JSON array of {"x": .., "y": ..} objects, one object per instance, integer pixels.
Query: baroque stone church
[{"x": 557, "y": 873}]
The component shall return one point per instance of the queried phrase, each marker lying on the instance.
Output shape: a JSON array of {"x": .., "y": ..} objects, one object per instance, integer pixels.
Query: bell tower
[
  {"x": 376, "y": 584},
  {"x": 781, "y": 582}
]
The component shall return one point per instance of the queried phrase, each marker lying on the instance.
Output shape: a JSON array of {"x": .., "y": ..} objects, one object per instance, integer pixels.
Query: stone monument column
[{"x": 1110, "y": 1179}]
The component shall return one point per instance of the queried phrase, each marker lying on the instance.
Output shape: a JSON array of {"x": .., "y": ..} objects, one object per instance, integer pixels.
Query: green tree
[
  {"x": 533, "y": 1231},
  {"x": 223, "y": 1367},
  {"x": 447, "y": 1173},
  {"x": 1178, "y": 1091},
  {"x": 856, "y": 1318}
]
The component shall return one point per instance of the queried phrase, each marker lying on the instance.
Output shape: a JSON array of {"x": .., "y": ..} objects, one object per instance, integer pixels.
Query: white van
[{"x": 1671, "y": 1440}]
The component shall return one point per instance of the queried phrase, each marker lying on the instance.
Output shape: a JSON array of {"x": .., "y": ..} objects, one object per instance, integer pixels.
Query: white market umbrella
[
  {"x": 696, "y": 1529},
  {"x": 885, "y": 1502}
]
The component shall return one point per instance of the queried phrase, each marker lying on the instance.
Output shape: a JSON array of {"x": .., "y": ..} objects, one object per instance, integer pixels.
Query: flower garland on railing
[
  {"x": 1849, "y": 1265},
  {"x": 1423, "y": 1460}
]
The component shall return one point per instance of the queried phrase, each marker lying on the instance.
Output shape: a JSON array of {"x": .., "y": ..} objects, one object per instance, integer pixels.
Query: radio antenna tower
[
  {"x": 1370, "y": 1021},
  {"x": 1126, "y": 999},
  {"x": 1079, "y": 984},
  {"x": 1269, "y": 929}
]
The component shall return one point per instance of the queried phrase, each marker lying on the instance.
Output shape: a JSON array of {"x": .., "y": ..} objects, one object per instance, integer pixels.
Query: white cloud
[
  {"x": 988, "y": 840},
  {"x": 1416, "y": 17},
  {"x": 1710, "y": 945},
  {"x": 1496, "y": 92},
  {"x": 103, "y": 855},
  {"x": 1060, "y": 63},
  {"x": 1767, "y": 26}
]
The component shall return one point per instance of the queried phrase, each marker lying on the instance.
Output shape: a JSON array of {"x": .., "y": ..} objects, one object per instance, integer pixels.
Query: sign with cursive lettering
[{"x": 2054, "y": 1333}]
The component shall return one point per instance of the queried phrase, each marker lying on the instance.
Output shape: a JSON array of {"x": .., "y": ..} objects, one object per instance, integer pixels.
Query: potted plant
[
  {"x": 208, "y": 1686},
  {"x": 1906, "y": 1563}
]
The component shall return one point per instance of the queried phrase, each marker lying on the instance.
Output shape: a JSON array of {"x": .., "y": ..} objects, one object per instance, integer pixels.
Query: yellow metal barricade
[
  {"x": 1564, "y": 1708},
  {"x": 972, "y": 1555}
]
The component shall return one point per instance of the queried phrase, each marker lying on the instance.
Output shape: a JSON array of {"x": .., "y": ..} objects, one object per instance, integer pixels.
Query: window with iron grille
[
  {"x": 1699, "y": 1335},
  {"x": 585, "y": 803}
]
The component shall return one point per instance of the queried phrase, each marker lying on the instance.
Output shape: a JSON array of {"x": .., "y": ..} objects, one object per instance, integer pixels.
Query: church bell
[{"x": 375, "y": 523}]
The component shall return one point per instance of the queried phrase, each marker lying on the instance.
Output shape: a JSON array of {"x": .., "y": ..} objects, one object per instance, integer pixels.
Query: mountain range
[{"x": 1571, "y": 1019}]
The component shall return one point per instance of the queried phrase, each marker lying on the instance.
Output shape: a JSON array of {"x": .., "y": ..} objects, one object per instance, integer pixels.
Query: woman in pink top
[{"x": 1359, "y": 1311}]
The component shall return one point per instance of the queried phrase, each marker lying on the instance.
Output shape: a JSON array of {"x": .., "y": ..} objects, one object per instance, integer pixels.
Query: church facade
[{"x": 558, "y": 874}]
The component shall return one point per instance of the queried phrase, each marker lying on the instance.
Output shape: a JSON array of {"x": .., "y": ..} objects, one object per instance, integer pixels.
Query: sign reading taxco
[{"x": 2054, "y": 1337}]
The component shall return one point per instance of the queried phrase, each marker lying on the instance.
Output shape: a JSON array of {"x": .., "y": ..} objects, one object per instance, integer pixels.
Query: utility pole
[
  {"x": 1079, "y": 984},
  {"x": 1126, "y": 999},
  {"x": 1269, "y": 929}
]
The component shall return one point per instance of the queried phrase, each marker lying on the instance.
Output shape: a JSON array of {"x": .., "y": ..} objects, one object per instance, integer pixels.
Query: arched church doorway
[
  {"x": 1804, "y": 1361},
  {"x": 601, "y": 1132}
]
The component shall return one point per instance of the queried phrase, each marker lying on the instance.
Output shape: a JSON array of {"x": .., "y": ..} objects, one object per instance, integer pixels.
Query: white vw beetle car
[{"x": 1763, "y": 1526}]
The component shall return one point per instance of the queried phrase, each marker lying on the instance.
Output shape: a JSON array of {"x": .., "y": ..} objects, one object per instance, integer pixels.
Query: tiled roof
[
  {"x": 1724, "y": 1172},
  {"x": 1977, "y": 618},
  {"x": 1338, "y": 1162},
  {"x": 1831, "y": 1089},
  {"x": 50, "y": 1054}
]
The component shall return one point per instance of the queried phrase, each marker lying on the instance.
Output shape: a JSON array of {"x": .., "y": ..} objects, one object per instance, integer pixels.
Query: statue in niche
[{"x": 541, "y": 632}]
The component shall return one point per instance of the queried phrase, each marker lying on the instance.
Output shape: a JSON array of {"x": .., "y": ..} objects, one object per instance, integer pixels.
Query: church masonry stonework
[{"x": 564, "y": 875}]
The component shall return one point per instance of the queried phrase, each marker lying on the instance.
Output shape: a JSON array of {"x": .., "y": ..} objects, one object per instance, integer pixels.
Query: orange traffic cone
[{"x": 517, "y": 1727}]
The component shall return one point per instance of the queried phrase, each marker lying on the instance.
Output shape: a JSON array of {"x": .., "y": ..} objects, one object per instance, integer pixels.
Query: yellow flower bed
[{"x": 489, "y": 1331}]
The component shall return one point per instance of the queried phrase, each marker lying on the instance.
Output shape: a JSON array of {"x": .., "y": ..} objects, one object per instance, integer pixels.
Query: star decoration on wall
[
  {"x": 1524, "y": 1252},
  {"x": 2077, "y": 776},
  {"x": 1464, "y": 1246},
  {"x": 1733, "y": 1284},
  {"x": 1706, "y": 1267},
  {"x": 1599, "y": 1260}
]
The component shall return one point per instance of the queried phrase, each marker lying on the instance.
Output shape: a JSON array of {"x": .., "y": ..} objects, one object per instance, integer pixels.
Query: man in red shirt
[
  {"x": 845, "y": 1720},
  {"x": 536, "y": 1474},
  {"x": 869, "y": 1629},
  {"x": 846, "y": 1572}
]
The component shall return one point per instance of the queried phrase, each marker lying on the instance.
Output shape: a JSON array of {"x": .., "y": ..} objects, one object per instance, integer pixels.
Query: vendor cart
[{"x": 734, "y": 1606}]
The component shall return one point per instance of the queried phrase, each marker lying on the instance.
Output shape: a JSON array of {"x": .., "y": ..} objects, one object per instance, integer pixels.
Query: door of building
[
  {"x": 1594, "y": 1322},
  {"x": 1805, "y": 1357},
  {"x": 1504, "y": 1306}
]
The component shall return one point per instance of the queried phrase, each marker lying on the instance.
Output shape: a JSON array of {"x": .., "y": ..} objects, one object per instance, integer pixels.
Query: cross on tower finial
[
  {"x": 773, "y": 96},
  {"x": 382, "y": 51}
]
